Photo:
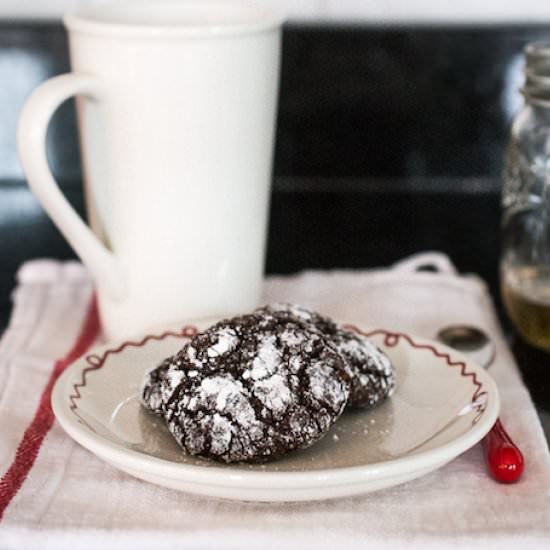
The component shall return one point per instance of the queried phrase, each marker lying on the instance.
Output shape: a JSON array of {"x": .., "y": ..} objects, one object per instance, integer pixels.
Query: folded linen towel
[{"x": 55, "y": 494}]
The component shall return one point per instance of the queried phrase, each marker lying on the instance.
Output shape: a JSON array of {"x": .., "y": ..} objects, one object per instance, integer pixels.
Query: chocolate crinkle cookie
[
  {"x": 250, "y": 388},
  {"x": 370, "y": 370},
  {"x": 154, "y": 388}
]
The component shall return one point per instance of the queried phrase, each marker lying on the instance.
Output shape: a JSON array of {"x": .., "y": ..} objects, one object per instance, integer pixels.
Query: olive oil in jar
[{"x": 526, "y": 295}]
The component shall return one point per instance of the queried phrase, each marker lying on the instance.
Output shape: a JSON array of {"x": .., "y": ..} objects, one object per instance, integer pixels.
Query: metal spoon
[{"x": 504, "y": 459}]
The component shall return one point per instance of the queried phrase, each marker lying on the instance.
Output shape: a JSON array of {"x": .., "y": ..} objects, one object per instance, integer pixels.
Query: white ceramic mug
[{"x": 176, "y": 108}]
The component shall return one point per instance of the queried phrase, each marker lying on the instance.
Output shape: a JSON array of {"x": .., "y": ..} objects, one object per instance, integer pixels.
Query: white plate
[{"x": 443, "y": 405}]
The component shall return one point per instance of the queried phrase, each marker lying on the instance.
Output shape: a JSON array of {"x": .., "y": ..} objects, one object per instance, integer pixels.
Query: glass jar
[{"x": 525, "y": 254}]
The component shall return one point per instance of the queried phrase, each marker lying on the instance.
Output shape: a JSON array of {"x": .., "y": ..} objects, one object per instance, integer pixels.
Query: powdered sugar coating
[
  {"x": 370, "y": 370},
  {"x": 153, "y": 390},
  {"x": 250, "y": 389}
]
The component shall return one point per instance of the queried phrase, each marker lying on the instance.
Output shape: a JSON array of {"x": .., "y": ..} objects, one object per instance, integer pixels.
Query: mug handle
[{"x": 31, "y": 145}]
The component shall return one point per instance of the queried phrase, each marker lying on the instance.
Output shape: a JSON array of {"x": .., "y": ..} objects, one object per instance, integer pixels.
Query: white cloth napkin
[{"x": 54, "y": 494}]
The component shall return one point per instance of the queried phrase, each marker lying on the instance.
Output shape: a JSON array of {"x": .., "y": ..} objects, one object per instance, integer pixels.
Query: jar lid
[{"x": 537, "y": 73}]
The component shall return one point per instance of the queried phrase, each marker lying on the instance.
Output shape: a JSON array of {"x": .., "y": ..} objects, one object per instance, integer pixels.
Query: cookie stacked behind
[
  {"x": 254, "y": 387},
  {"x": 369, "y": 369}
]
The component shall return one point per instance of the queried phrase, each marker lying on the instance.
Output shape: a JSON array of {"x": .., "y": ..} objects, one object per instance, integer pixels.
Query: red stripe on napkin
[{"x": 43, "y": 420}]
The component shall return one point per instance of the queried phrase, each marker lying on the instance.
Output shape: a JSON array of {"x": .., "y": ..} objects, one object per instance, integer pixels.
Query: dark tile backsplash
[
  {"x": 398, "y": 102},
  {"x": 355, "y": 101},
  {"x": 389, "y": 141}
]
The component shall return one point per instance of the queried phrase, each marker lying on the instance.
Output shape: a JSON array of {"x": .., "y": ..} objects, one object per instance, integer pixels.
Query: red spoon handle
[{"x": 504, "y": 459}]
